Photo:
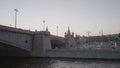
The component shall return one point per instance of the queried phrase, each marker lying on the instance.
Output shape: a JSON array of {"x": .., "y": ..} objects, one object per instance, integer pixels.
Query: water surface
[{"x": 57, "y": 63}]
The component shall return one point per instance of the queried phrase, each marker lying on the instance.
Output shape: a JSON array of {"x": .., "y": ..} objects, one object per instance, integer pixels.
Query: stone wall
[{"x": 84, "y": 53}]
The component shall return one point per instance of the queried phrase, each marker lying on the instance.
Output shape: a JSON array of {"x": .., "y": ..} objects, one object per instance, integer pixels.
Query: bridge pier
[{"x": 41, "y": 43}]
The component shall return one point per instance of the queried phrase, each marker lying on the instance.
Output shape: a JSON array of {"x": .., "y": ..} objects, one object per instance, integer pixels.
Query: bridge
[{"x": 19, "y": 42}]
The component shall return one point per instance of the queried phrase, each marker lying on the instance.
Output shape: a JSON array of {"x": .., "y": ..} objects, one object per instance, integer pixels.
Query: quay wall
[{"x": 84, "y": 53}]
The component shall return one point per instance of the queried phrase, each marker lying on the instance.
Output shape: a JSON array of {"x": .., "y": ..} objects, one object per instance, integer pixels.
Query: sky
[{"x": 80, "y": 16}]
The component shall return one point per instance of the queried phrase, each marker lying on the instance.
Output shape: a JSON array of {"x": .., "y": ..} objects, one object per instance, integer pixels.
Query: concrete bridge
[{"x": 19, "y": 42}]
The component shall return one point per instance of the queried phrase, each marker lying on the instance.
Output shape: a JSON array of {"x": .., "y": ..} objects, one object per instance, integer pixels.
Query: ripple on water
[{"x": 58, "y": 63}]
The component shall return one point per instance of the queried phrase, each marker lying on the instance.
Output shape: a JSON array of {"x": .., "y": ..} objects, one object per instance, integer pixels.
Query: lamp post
[
  {"x": 43, "y": 25},
  {"x": 16, "y": 10}
]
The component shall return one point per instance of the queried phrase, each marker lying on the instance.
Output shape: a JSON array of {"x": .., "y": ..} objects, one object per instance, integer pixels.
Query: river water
[{"x": 57, "y": 63}]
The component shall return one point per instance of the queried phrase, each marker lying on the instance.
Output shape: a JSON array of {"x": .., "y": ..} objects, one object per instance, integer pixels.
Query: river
[{"x": 57, "y": 63}]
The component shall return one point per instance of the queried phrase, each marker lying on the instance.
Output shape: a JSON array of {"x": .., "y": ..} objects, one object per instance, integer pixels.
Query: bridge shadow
[
  {"x": 57, "y": 44},
  {"x": 9, "y": 50}
]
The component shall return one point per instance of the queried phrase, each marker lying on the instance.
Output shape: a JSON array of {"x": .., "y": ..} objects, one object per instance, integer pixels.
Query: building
[{"x": 70, "y": 41}]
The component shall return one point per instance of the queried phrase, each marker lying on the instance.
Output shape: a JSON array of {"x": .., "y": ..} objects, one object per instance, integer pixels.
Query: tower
[{"x": 69, "y": 39}]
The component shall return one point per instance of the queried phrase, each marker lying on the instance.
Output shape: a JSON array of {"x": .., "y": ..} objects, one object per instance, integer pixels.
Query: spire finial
[{"x": 68, "y": 30}]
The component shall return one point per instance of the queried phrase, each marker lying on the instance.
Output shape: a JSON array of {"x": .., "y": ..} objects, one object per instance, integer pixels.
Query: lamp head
[{"x": 16, "y": 10}]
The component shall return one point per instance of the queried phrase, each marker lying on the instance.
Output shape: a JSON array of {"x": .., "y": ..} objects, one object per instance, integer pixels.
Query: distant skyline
[{"x": 80, "y": 15}]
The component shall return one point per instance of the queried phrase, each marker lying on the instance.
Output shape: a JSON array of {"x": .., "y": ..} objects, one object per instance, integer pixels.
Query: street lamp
[
  {"x": 16, "y": 10},
  {"x": 43, "y": 25}
]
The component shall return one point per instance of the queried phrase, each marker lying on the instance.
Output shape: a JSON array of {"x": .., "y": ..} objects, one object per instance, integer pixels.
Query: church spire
[{"x": 68, "y": 30}]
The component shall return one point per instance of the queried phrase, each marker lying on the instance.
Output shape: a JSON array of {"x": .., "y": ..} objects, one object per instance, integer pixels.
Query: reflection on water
[{"x": 56, "y": 63}]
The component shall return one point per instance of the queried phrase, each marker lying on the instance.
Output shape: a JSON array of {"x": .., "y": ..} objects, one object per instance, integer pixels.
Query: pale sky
[{"x": 80, "y": 15}]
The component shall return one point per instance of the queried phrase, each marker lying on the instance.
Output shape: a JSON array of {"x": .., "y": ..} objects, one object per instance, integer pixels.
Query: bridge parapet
[{"x": 15, "y": 30}]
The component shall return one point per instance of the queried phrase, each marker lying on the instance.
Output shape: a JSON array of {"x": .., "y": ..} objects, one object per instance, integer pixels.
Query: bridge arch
[{"x": 9, "y": 49}]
